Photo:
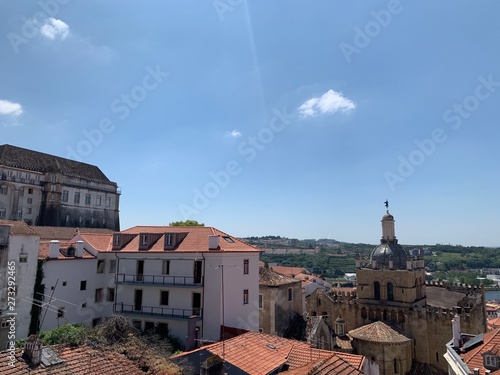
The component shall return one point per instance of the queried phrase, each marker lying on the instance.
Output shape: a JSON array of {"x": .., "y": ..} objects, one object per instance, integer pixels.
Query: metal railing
[
  {"x": 165, "y": 312},
  {"x": 123, "y": 278}
]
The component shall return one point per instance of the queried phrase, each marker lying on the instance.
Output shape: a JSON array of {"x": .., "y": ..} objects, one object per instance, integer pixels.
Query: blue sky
[{"x": 286, "y": 118}]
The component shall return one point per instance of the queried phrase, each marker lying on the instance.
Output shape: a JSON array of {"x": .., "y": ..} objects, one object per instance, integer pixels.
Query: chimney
[
  {"x": 54, "y": 249},
  {"x": 476, "y": 371},
  {"x": 213, "y": 242},
  {"x": 79, "y": 249},
  {"x": 455, "y": 326},
  {"x": 33, "y": 350}
]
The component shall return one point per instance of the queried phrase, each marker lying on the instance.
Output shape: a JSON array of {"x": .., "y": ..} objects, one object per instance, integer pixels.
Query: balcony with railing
[
  {"x": 157, "y": 312},
  {"x": 182, "y": 281}
]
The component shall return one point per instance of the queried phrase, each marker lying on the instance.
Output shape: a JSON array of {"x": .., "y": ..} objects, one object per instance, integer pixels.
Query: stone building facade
[
  {"x": 47, "y": 190},
  {"x": 391, "y": 288}
]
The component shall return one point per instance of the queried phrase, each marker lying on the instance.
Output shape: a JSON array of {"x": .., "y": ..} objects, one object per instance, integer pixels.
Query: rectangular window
[
  {"x": 290, "y": 294},
  {"x": 3, "y": 213},
  {"x": 111, "y": 294},
  {"x": 108, "y": 202},
  {"x": 87, "y": 198},
  {"x": 245, "y": 297},
  {"x": 112, "y": 266},
  {"x": 60, "y": 312},
  {"x": 20, "y": 214},
  {"x": 3, "y": 190},
  {"x": 168, "y": 239},
  {"x": 83, "y": 285},
  {"x": 29, "y": 210},
  {"x": 23, "y": 258},
  {"x": 144, "y": 239},
  {"x": 261, "y": 301},
  {"x": 77, "y": 198},
  {"x": 165, "y": 269},
  {"x": 30, "y": 191},
  {"x": 29, "y": 200},
  {"x": 98, "y": 201},
  {"x": 98, "y": 295},
  {"x": 96, "y": 321},
  {"x": 164, "y": 297},
  {"x": 21, "y": 192},
  {"x": 245, "y": 266},
  {"x": 65, "y": 195},
  {"x": 100, "y": 266}
]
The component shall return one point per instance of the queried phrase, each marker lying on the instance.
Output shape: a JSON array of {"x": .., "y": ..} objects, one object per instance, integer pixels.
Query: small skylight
[
  {"x": 271, "y": 346},
  {"x": 228, "y": 239}
]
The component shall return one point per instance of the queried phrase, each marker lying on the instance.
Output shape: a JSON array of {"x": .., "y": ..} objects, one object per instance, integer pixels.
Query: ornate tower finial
[{"x": 387, "y": 205}]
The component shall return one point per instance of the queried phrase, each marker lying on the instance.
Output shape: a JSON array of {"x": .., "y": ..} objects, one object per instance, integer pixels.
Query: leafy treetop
[{"x": 187, "y": 223}]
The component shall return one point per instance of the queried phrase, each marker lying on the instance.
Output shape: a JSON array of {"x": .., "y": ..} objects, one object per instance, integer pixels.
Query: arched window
[
  {"x": 390, "y": 292},
  {"x": 396, "y": 366},
  {"x": 376, "y": 289},
  {"x": 313, "y": 313}
]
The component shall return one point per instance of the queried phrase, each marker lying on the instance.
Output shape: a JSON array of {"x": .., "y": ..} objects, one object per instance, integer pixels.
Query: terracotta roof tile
[
  {"x": 196, "y": 240},
  {"x": 43, "y": 251},
  {"x": 82, "y": 360},
  {"x": 272, "y": 353},
  {"x": 65, "y": 233},
  {"x": 491, "y": 342},
  {"x": 378, "y": 332},
  {"x": 334, "y": 364},
  {"x": 18, "y": 228}
]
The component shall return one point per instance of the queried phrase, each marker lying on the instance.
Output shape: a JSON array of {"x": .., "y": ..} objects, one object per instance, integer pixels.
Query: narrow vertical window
[
  {"x": 245, "y": 297},
  {"x": 245, "y": 266}
]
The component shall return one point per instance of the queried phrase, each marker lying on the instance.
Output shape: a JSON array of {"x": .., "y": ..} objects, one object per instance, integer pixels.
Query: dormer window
[
  {"x": 144, "y": 239},
  {"x": 169, "y": 239},
  {"x": 116, "y": 240},
  {"x": 491, "y": 361}
]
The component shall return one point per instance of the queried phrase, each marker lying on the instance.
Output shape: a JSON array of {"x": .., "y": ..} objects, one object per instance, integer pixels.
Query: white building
[
  {"x": 18, "y": 265},
  {"x": 185, "y": 281}
]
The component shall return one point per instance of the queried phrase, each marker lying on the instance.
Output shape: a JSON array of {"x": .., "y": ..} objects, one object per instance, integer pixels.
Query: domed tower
[{"x": 391, "y": 277}]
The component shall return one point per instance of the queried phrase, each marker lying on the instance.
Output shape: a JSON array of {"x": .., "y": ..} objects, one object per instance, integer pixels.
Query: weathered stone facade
[{"x": 396, "y": 293}]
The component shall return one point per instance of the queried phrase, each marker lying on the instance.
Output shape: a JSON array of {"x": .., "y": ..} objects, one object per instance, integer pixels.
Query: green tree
[{"x": 187, "y": 223}]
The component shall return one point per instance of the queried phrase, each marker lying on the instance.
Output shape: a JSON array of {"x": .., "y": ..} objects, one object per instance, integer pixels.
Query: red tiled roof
[
  {"x": 82, "y": 360},
  {"x": 65, "y": 233},
  {"x": 332, "y": 365},
  {"x": 491, "y": 342},
  {"x": 378, "y": 332},
  {"x": 272, "y": 352},
  {"x": 18, "y": 228},
  {"x": 43, "y": 251},
  {"x": 195, "y": 241}
]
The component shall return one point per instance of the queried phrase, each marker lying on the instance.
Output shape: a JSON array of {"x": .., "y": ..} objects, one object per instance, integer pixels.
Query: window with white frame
[
  {"x": 65, "y": 195},
  {"x": 77, "y": 198}
]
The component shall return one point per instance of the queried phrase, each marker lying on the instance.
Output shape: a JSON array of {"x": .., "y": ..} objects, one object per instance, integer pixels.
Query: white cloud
[
  {"x": 55, "y": 29},
  {"x": 234, "y": 134},
  {"x": 330, "y": 102},
  {"x": 10, "y": 108}
]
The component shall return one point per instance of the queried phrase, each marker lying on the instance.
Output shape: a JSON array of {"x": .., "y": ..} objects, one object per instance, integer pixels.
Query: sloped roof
[
  {"x": 81, "y": 360},
  {"x": 196, "y": 240},
  {"x": 491, "y": 342},
  {"x": 260, "y": 353},
  {"x": 43, "y": 251},
  {"x": 268, "y": 277},
  {"x": 378, "y": 332},
  {"x": 65, "y": 233},
  {"x": 18, "y": 228},
  {"x": 17, "y": 157},
  {"x": 332, "y": 365},
  {"x": 289, "y": 271}
]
